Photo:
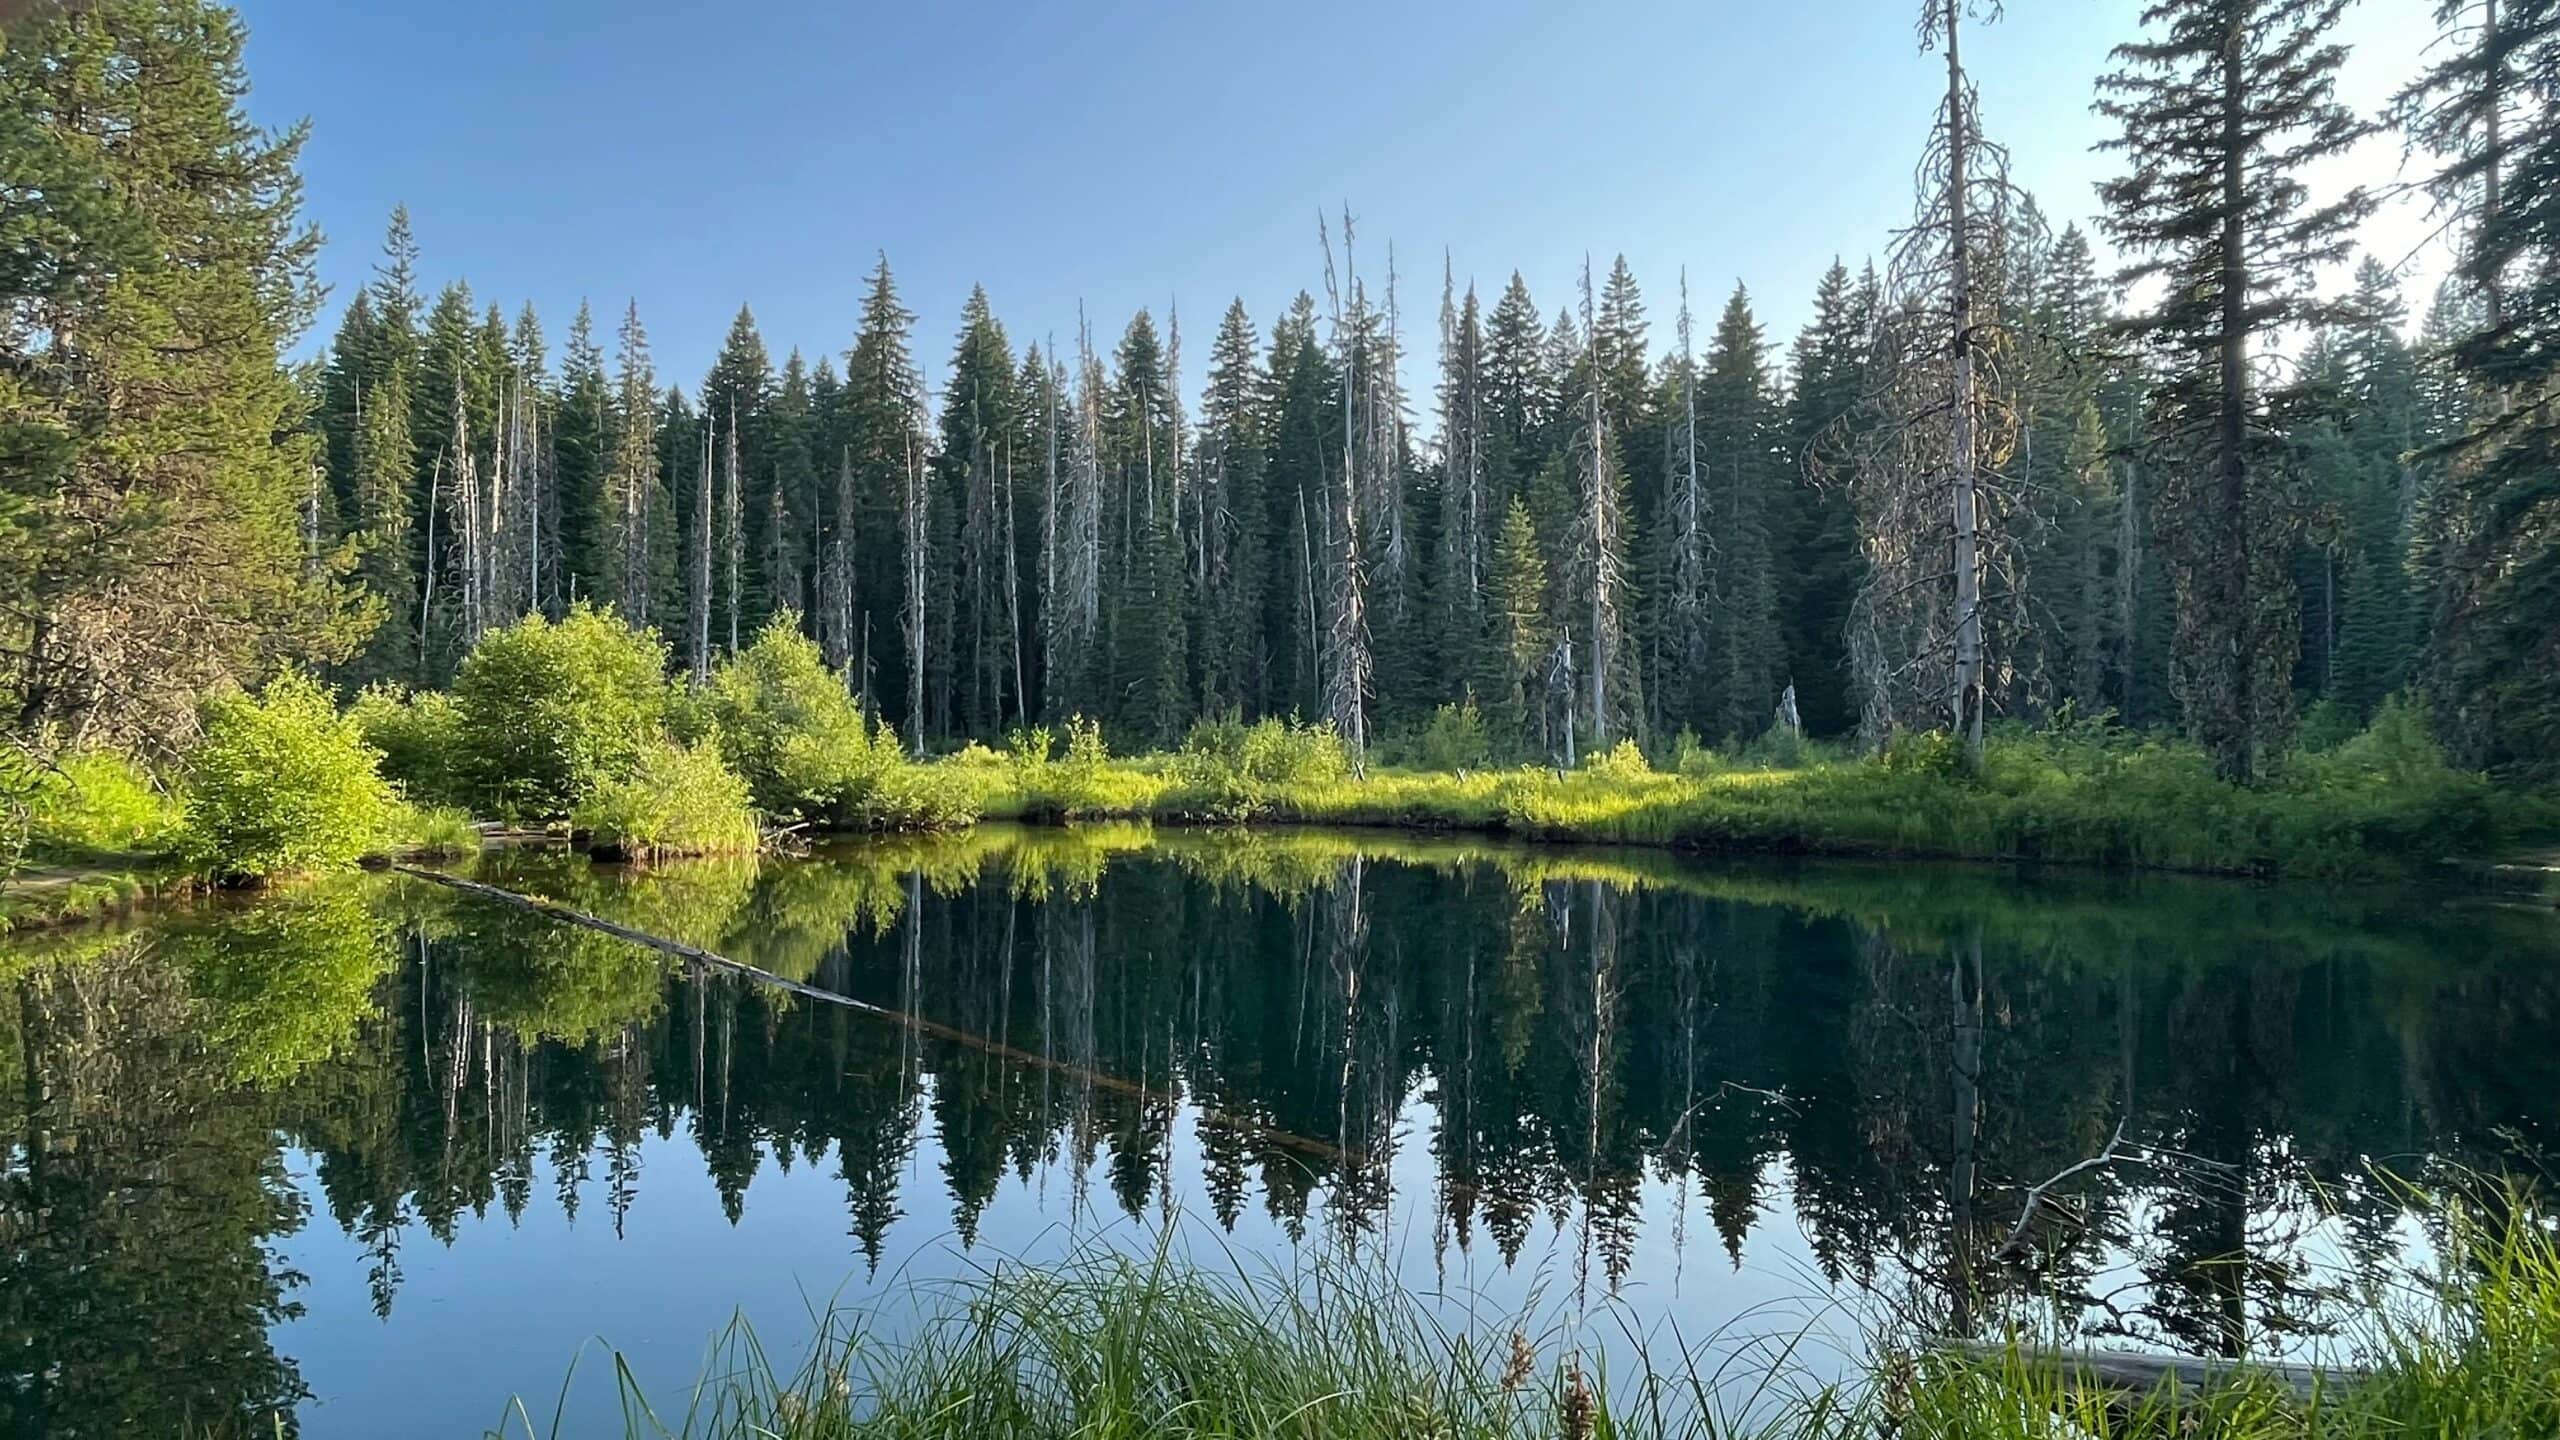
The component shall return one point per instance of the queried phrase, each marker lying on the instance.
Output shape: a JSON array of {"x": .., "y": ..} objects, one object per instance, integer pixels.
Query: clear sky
[{"x": 1126, "y": 155}]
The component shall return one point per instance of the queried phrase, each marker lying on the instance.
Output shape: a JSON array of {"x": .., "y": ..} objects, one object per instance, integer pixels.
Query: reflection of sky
[{"x": 508, "y": 1305}]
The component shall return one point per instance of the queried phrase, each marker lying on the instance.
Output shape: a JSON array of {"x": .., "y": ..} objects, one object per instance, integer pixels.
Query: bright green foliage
[
  {"x": 674, "y": 800},
  {"x": 421, "y": 740},
  {"x": 551, "y": 711},
  {"x": 100, "y": 803},
  {"x": 283, "y": 985},
  {"x": 1236, "y": 769},
  {"x": 1622, "y": 761},
  {"x": 1456, "y": 738},
  {"x": 788, "y": 727},
  {"x": 281, "y": 784}
]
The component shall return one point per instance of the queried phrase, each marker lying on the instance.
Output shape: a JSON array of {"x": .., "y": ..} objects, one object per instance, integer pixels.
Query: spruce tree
[
  {"x": 1742, "y": 450},
  {"x": 1232, "y": 562},
  {"x": 582, "y": 451},
  {"x": 2224, "y": 104},
  {"x": 736, "y": 400},
  {"x": 1818, "y": 524},
  {"x": 2490, "y": 543},
  {"x": 881, "y": 415},
  {"x": 632, "y": 484},
  {"x": 972, "y": 474}
]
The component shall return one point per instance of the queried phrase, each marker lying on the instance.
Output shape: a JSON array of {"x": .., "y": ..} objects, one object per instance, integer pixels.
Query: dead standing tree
[
  {"x": 1344, "y": 652},
  {"x": 1926, "y": 461}
]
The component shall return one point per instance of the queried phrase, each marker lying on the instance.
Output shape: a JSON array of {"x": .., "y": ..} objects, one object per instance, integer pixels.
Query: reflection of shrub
[
  {"x": 282, "y": 783},
  {"x": 551, "y": 711},
  {"x": 420, "y": 737},
  {"x": 285, "y": 982},
  {"x": 95, "y": 802},
  {"x": 676, "y": 800}
]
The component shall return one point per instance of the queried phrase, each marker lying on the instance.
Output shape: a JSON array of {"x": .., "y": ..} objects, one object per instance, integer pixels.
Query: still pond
[{"x": 375, "y": 1156}]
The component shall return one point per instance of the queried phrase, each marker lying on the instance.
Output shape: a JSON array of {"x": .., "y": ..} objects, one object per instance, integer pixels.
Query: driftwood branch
[{"x": 2036, "y": 1194}]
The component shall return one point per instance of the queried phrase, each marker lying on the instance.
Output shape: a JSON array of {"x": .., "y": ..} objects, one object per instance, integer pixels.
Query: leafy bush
[
  {"x": 281, "y": 783},
  {"x": 1456, "y": 739},
  {"x": 1622, "y": 761},
  {"x": 1923, "y": 752},
  {"x": 96, "y": 803},
  {"x": 439, "y": 832},
  {"x": 420, "y": 737},
  {"x": 550, "y": 712},
  {"x": 2326, "y": 725},
  {"x": 788, "y": 727},
  {"x": 1237, "y": 771},
  {"x": 675, "y": 800}
]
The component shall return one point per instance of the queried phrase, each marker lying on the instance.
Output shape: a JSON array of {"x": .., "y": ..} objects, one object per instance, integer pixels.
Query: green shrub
[
  {"x": 96, "y": 802},
  {"x": 1456, "y": 739},
  {"x": 675, "y": 800},
  {"x": 1923, "y": 752},
  {"x": 1237, "y": 771},
  {"x": 420, "y": 737},
  {"x": 436, "y": 832},
  {"x": 281, "y": 783},
  {"x": 789, "y": 728},
  {"x": 552, "y": 711},
  {"x": 1693, "y": 757},
  {"x": 1622, "y": 761},
  {"x": 2326, "y": 725}
]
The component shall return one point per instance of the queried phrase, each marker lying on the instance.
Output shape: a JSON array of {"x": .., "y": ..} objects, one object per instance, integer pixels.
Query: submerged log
[{"x": 2135, "y": 1375}]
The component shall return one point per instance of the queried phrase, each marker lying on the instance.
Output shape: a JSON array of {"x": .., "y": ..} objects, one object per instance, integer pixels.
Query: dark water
[{"x": 377, "y": 1156}]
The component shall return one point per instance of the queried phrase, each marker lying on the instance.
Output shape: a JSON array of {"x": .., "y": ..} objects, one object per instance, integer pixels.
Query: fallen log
[{"x": 2135, "y": 1374}]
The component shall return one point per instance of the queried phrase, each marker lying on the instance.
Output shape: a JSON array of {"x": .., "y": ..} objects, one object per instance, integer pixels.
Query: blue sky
[{"x": 1128, "y": 155}]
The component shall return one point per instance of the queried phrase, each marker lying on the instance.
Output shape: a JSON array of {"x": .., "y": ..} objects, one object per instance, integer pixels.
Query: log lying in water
[{"x": 2134, "y": 1374}]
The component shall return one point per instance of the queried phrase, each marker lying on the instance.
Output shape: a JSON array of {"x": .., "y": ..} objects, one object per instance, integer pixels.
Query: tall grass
[{"x": 1154, "y": 1348}]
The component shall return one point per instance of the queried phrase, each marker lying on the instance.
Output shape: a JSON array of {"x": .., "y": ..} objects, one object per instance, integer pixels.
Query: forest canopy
[{"x": 1974, "y": 482}]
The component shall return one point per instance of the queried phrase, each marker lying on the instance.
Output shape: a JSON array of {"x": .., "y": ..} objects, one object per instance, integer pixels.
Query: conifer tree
[
  {"x": 1829, "y": 381},
  {"x": 2224, "y": 104},
  {"x": 582, "y": 451},
  {"x": 632, "y": 488},
  {"x": 1231, "y": 504},
  {"x": 2490, "y": 542},
  {"x": 882, "y": 412},
  {"x": 1516, "y": 596},
  {"x": 1742, "y": 452},
  {"x": 1685, "y": 631},
  {"x": 1467, "y": 519},
  {"x": 978, "y": 426}
]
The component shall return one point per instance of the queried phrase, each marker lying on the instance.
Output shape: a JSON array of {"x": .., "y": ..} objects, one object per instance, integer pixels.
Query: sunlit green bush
[
  {"x": 421, "y": 739},
  {"x": 789, "y": 728},
  {"x": 431, "y": 832},
  {"x": 281, "y": 783},
  {"x": 549, "y": 712},
  {"x": 674, "y": 800},
  {"x": 91, "y": 803}
]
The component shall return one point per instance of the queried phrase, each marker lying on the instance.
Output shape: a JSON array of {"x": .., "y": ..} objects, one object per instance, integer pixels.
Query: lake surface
[{"x": 377, "y": 1156}]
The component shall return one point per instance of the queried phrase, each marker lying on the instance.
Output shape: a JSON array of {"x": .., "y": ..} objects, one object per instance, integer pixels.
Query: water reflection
[{"x": 1344, "y": 1035}]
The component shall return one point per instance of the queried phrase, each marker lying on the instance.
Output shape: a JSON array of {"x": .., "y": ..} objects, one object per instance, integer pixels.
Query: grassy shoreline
[{"x": 1161, "y": 1347}]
